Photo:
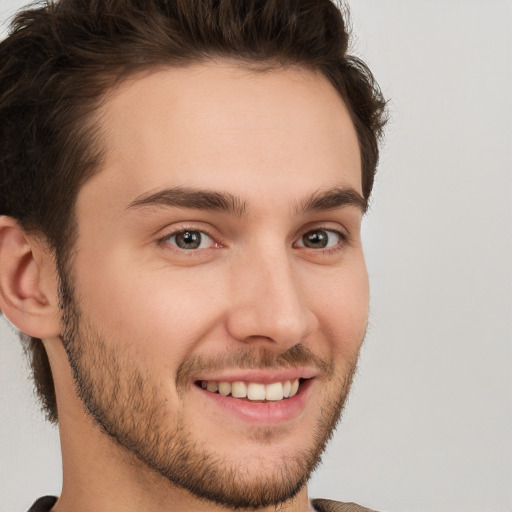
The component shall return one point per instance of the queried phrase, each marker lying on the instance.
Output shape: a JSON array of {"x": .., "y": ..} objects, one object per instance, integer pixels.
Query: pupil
[
  {"x": 188, "y": 240},
  {"x": 316, "y": 239}
]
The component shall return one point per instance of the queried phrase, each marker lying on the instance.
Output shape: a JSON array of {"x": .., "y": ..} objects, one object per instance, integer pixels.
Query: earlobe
[{"x": 28, "y": 295}]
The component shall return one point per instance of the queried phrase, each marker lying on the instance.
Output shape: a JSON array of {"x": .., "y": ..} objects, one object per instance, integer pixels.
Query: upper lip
[{"x": 261, "y": 376}]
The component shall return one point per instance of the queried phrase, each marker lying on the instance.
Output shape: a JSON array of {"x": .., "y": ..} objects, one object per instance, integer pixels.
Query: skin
[{"x": 154, "y": 319}]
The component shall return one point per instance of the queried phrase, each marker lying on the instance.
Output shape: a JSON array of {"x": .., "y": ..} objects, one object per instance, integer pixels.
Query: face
[{"x": 218, "y": 292}]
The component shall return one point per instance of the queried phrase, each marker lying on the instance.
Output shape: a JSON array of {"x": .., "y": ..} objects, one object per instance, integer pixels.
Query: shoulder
[
  {"x": 43, "y": 504},
  {"x": 337, "y": 506}
]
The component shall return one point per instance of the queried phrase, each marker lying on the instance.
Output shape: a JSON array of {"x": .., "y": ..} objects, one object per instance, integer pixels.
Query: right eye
[{"x": 190, "y": 240}]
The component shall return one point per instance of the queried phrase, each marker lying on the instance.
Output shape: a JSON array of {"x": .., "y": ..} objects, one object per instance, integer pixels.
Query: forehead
[{"x": 219, "y": 125}]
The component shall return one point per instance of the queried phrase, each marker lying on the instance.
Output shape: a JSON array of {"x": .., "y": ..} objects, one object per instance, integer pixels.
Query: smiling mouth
[{"x": 253, "y": 391}]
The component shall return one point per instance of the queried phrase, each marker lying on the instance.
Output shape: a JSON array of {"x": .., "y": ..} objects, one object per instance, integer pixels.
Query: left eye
[
  {"x": 319, "y": 239},
  {"x": 190, "y": 240}
]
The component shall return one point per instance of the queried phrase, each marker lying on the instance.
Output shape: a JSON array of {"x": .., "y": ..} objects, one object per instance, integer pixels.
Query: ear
[{"x": 28, "y": 282}]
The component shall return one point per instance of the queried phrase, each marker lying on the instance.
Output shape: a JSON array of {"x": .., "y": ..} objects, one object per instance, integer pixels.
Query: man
[{"x": 183, "y": 183}]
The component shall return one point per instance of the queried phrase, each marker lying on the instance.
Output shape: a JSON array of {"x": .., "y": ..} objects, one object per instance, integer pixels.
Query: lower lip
[{"x": 261, "y": 412}]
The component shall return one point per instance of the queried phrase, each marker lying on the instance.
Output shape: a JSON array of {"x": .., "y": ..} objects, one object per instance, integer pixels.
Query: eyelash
[{"x": 343, "y": 240}]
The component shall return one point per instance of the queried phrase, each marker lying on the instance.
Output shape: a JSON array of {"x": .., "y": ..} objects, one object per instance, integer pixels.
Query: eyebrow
[
  {"x": 180, "y": 197},
  {"x": 332, "y": 199}
]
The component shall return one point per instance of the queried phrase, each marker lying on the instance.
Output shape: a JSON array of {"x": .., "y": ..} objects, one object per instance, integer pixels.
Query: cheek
[
  {"x": 342, "y": 310},
  {"x": 153, "y": 312}
]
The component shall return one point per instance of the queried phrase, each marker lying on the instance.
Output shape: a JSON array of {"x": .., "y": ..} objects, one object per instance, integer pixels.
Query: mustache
[{"x": 255, "y": 358}]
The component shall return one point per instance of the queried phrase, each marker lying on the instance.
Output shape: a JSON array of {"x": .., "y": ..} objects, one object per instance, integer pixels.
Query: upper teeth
[{"x": 253, "y": 390}]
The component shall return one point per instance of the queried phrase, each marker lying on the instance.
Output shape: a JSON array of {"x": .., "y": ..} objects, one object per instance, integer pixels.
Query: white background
[{"x": 429, "y": 423}]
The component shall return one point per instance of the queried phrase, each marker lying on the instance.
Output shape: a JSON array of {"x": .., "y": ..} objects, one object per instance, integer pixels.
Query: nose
[{"x": 269, "y": 304}]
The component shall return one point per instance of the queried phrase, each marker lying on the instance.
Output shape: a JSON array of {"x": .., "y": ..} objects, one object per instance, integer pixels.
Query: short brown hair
[{"x": 61, "y": 58}]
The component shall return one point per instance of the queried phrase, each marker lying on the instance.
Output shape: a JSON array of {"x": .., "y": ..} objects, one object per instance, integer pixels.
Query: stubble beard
[{"x": 121, "y": 399}]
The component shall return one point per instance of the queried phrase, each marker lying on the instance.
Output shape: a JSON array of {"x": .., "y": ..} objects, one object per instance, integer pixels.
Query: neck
[
  {"x": 99, "y": 474},
  {"x": 122, "y": 485}
]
